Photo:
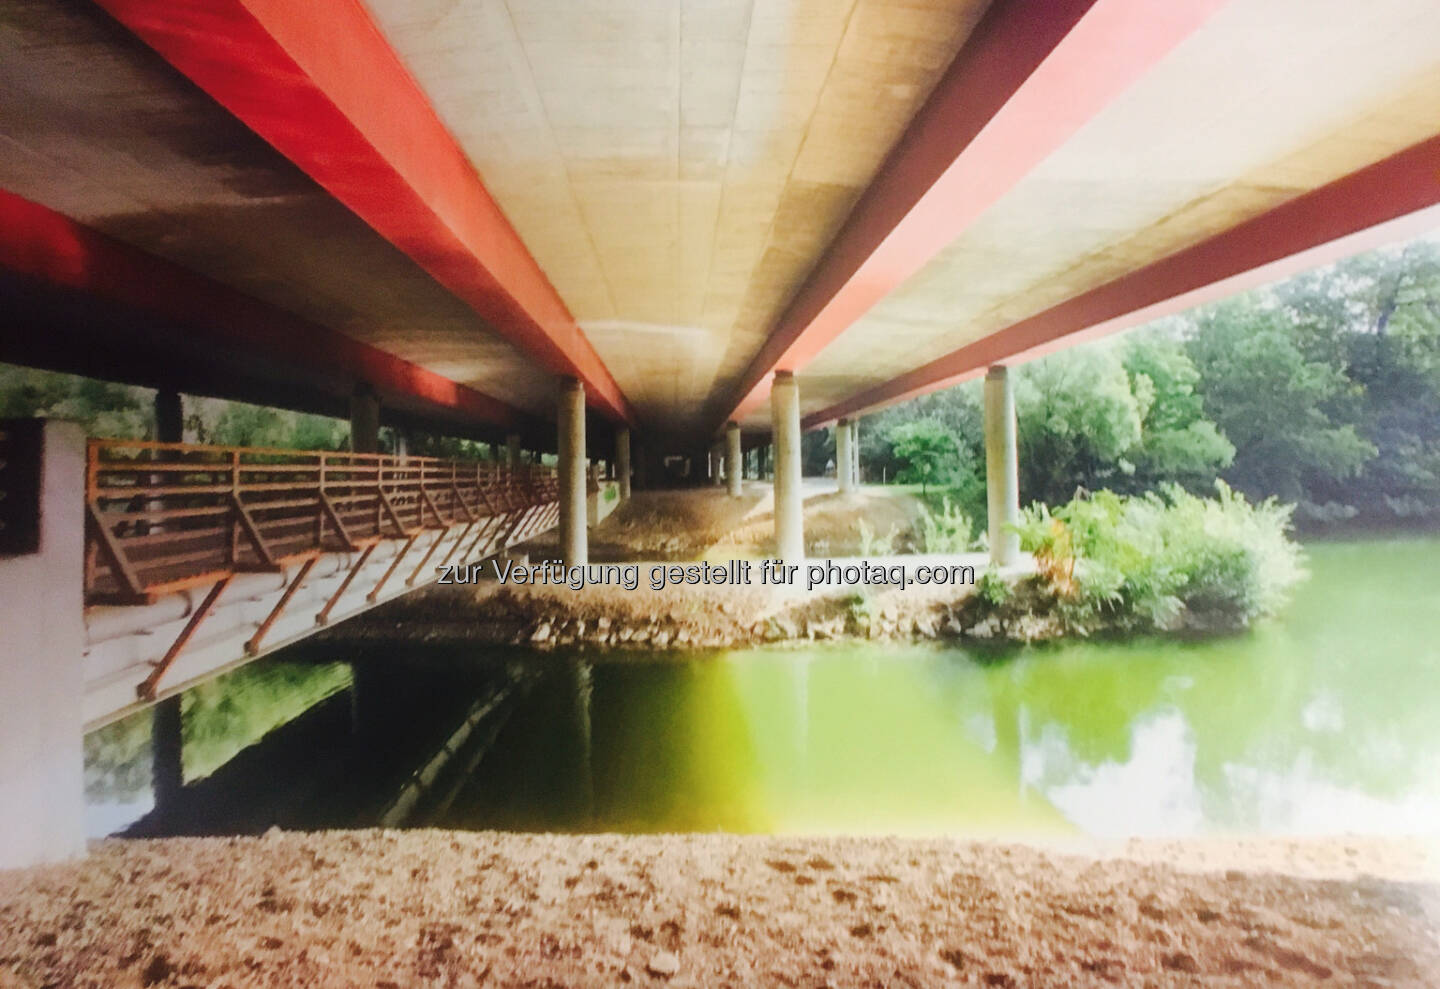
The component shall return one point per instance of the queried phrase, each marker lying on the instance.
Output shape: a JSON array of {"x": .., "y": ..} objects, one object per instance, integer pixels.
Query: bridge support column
[
  {"x": 1002, "y": 466},
  {"x": 512, "y": 450},
  {"x": 573, "y": 549},
  {"x": 789, "y": 504},
  {"x": 622, "y": 461},
  {"x": 167, "y": 753},
  {"x": 169, "y": 417},
  {"x": 167, "y": 773},
  {"x": 855, "y": 452},
  {"x": 734, "y": 472},
  {"x": 364, "y": 420},
  {"x": 42, "y": 677},
  {"x": 844, "y": 462}
]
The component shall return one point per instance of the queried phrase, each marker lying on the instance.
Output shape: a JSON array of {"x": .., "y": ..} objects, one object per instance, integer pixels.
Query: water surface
[{"x": 1326, "y": 720}]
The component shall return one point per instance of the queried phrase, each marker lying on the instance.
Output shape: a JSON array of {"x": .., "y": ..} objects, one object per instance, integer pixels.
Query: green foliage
[
  {"x": 874, "y": 545},
  {"x": 1077, "y": 418},
  {"x": 220, "y": 718},
  {"x": 222, "y": 423},
  {"x": 946, "y": 530},
  {"x": 1164, "y": 561},
  {"x": 1177, "y": 443},
  {"x": 224, "y": 715},
  {"x": 1324, "y": 391},
  {"x": 992, "y": 588},
  {"x": 929, "y": 453},
  {"x": 1277, "y": 407},
  {"x": 101, "y": 408}
]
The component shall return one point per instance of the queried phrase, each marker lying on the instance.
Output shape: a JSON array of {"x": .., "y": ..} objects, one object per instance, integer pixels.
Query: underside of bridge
[
  {"x": 570, "y": 223},
  {"x": 460, "y": 202}
]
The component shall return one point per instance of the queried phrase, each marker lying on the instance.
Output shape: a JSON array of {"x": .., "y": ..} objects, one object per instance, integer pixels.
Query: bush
[
  {"x": 1166, "y": 561},
  {"x": 946, "y": 530},
  {"x": 875, "y": 545}
]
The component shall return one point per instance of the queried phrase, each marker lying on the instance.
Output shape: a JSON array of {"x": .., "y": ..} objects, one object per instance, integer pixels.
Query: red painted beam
[
  {"x": 54, "y": 251},
  {"x": 1391, "y": 200},
  {"x": 318, "y": 81},
  {"x": 1030, "y": 75}
]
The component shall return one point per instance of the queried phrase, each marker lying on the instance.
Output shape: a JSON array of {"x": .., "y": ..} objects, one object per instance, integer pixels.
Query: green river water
[{"x": 1324, "y": 721}]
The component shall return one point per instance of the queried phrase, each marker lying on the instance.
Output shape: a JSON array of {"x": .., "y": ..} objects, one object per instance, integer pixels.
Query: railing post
[
  {"x": 234, "y": 549},
  {"x": 320, "y": 502}
]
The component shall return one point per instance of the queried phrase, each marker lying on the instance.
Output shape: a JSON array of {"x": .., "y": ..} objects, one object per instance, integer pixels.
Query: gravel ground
[{"x": 439, "y": 908}]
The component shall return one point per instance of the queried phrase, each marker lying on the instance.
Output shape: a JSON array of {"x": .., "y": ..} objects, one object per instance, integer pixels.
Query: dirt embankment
[
  {"x": 690, "y": 525},
  {"x": 453, "y": 909},
  {"x": 706, "y": 523}
]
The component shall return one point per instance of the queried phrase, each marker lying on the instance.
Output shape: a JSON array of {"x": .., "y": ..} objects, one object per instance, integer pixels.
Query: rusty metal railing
[{"x": 163, "y": 517}]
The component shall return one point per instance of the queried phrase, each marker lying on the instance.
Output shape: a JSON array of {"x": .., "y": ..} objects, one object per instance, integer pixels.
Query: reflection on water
[{"x": 1323, "y": 722}]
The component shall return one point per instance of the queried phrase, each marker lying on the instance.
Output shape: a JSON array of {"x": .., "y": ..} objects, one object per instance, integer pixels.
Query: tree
[
  {"x": 1177, "y": 443},
  {"x": 929, "y": 453},
  {"x": 1077, "y": 418},
  {"x": 1271, "y": 402}
]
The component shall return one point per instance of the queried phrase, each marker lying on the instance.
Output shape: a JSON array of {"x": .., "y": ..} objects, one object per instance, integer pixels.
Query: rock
[
  {"x": 541, "y": 633},
  {"x": 602, "y": 624},
  {"x": 660, "y": 639},
  {"x": 663, "y": 964}
]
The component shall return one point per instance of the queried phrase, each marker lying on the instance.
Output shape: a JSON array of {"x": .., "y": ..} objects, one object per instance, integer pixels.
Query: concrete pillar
[
  {"x": 844, "y": 462},
  {"x": 622, "y": 461},
  {"x": 402, "y": 445},
  {"x": 167, "y": 746},
  {"x": 572, "y": 472},
  {"x": 715, "y": 459},
  {"x": 169, "y": 417},
  {"x": 42, "y": 674},
  {"x": 167, "y": 753},
  {"x": 734, "y": 471},
  {"x": 512, "y": 451},
  {"x": 1002, "y": 466},
  {"x": 855, "y": 452},
  {"x": 789, "y": 505},
  {"x": 364, "y": 420}
]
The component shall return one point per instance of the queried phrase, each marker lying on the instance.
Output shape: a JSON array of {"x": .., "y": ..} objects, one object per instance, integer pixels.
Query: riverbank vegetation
[
  {"x": 1322, "y": 391},
  {"x": 1165, "y": 561},
  {"x": 219, "y": 718}
]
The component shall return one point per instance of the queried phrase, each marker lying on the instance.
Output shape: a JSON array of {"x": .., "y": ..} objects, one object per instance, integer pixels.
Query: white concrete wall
[{"x": 42, "y": 682}]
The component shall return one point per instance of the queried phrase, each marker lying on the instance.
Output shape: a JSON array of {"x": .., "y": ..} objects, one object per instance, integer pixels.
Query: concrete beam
[
  {"x": 789, "y": 502},
  {"x": 1031, "y": 74},
  {"x": 1002, "y": 467},
  {"x": 84, "y": 303},
  {"x": 1389, "y": 201},
  {"x": 320, "y": 83},
  {"x": 573, "y": 533}
]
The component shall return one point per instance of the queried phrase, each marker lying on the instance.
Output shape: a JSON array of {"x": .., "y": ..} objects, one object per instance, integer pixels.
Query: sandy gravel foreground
[{"x": 438, "y": 908}]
